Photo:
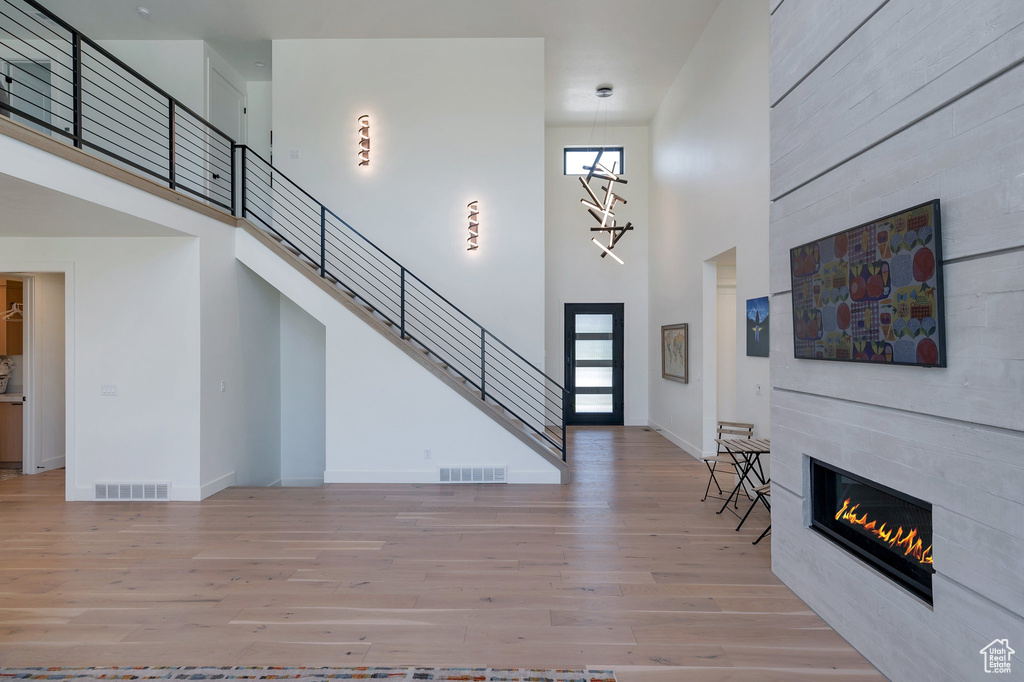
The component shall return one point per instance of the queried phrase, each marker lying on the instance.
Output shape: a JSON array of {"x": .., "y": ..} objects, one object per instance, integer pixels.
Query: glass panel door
[{"x": 593, "y": 371}]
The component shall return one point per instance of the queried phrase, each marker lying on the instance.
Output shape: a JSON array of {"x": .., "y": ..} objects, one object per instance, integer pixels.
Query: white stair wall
[{"x": 383, "y": 408}]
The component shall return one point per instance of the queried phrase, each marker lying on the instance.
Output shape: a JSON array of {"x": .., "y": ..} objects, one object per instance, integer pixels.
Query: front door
[{"x": 593, "y": 363}]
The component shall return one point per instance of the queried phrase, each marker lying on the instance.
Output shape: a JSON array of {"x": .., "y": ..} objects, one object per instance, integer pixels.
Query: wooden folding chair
[
  {"x": 763, "y": 493},
  {"x": 723, "y": 458}
]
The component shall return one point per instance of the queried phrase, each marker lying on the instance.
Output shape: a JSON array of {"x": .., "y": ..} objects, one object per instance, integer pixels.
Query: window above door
[{"x": 575, "y": 158}]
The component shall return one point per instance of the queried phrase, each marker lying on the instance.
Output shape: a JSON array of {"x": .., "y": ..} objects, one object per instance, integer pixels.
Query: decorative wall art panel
[
  {"x": 758, "y": 327},
  {"x": 675, "y": 351},
  {"x": 872, "y": 293}
]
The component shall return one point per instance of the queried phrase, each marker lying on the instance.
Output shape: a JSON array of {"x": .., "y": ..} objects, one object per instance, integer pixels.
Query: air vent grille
[
  {"x": 133, "y": 491},
  {"x": 473, "y": 474}
]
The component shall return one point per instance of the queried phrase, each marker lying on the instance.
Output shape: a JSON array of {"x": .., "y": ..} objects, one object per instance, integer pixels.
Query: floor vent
[
  {"x": 133, "y": 491},
  {"x": 473, "y": 474}
]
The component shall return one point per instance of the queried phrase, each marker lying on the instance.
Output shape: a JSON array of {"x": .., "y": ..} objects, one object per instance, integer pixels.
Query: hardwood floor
[{"x": 624, "y": 568}]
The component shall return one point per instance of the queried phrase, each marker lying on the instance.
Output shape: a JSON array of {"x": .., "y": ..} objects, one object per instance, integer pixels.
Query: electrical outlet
[
  {"x": 293, "y": 153},
  {"x": 426, "y": 454},
  {"x": 108, "y": 390},
  {"x": 224, "y": 386}
]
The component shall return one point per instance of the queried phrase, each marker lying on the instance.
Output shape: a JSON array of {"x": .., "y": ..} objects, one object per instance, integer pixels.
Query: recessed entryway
[{"x": 32, "y": 372}]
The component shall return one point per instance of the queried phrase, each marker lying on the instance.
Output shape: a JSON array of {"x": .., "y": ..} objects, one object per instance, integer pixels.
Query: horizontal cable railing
[
  {"x": 340, "y": 254},
  {"x": 65, "y": 85}
]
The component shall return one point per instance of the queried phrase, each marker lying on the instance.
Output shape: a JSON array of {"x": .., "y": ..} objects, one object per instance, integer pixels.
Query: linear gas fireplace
[{"x": 888, "y": 529}]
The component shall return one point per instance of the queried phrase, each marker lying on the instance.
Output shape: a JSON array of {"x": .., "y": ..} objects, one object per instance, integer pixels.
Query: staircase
[
  {"x": 403, "y": 308},
  {"x": 100, "y": 105}
]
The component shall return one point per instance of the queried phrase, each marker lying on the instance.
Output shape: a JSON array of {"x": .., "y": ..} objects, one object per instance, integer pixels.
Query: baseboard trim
[
  {"x": 678, "y": 441},
  {"x": 300, "y": 482},
  {"x": 216, "y": 485},
  {"x": 552, "y": 476}
]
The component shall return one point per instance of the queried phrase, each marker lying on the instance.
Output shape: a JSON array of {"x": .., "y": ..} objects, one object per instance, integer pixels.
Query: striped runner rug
[{"x": 229, "y": 674}]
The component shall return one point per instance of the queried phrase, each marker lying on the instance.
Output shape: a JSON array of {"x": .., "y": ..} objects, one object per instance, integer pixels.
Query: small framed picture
[
  {"x": 675, "y": 347},
  {"x": 758, "y": 321}
]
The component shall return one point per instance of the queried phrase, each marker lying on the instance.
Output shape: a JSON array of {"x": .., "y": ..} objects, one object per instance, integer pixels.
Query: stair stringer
[{"x": 383, "y": 410}]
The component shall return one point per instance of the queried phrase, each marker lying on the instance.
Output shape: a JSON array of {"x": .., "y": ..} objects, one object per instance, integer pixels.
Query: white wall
[
  {"x": 867, "y": 120},
  {"x": 257, "y": 458},
  {"x": 175, "y": 333},
  {"x": 260, "y": 118},
  {"x": 575, "y": 272},
  {"x": 176, "y": 66},
  {"x": 303, "y": 396},
  {"x": 452, "y": 121},
  {"x": 128, "y": 306},
  {"x": 385, "y": 408},
  {"x": 709, "y": 193}
]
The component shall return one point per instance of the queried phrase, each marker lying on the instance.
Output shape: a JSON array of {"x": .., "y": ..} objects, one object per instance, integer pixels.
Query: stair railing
[
  {"x": 418, "y": 312},
  {"x": 64, "y": 84},
  {"x": 60, "y": 82}
]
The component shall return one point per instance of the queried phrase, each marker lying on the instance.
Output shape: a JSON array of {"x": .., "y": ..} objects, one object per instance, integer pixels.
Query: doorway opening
[
  {"x": 594, "y": 363},
  {"x": 32, "y": 373},
  {"x": 720, "y": 317},
  {"x": 27, "y": 88},
  {"x": 726, "y": 341}
]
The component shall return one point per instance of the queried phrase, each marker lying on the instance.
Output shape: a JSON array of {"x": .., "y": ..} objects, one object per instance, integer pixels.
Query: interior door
[
  {"x": 594, "y": 363},
  {"x": 28, "y": 87},
  {"x": 227, "y": 113},
  {"x": 227, "y": 107}
]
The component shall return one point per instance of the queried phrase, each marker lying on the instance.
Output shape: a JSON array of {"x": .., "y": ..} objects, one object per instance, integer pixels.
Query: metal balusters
[
  {"x": 402, "y": 336},
  {"x": 76, "y": 97},
  {"x": 323, "y": 241},
  {"x": 483, "y": 363}
]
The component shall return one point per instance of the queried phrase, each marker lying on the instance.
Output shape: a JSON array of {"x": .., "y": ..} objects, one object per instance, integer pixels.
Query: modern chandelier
[{"x": 603, "y": 209}]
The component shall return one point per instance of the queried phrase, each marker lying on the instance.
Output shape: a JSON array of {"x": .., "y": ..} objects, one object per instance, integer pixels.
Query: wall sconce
[
  {"x": 474, "y": 226},
  {"x": 364, "y": 140}
]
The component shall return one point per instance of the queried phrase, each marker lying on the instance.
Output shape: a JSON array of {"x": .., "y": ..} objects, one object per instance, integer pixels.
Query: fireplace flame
[{"x": 909, "y": 541}]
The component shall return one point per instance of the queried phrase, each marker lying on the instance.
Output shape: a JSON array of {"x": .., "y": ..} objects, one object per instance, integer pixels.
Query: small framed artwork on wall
[
  {"x": 675, "y": 346},
  {"x": 758, "y": 321}
]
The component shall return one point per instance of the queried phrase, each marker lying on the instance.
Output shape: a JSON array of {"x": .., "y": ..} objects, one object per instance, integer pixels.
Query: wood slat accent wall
[{"x": 879, "y": 105}]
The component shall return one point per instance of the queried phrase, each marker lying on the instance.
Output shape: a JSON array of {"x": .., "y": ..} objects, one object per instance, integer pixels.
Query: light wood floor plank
[{"x": 625, "y": 568}]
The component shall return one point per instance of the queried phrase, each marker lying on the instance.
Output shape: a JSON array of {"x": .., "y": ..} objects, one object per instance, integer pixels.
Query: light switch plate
[{"x": 108, "y": 390}]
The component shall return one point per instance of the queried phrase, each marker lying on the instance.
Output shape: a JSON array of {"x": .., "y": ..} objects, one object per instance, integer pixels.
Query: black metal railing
[
  {"x": 340, "y": 254},
  {"x": 63, "y": 84}
]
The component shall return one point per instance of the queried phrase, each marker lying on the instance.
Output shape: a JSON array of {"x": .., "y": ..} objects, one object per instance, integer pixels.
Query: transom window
[{"x": 575, "y": 158}]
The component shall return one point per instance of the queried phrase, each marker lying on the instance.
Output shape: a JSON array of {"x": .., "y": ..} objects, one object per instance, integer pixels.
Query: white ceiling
[{"x": 637, "y": 46}]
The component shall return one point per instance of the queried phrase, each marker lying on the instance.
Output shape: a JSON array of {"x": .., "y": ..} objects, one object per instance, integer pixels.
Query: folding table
[{"x": 746, "y": 454}]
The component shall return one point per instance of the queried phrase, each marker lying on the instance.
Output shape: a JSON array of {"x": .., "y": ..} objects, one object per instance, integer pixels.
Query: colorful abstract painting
[
  {"x": 872, "y": 293},
  {"x": 758, "y": 322}
]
